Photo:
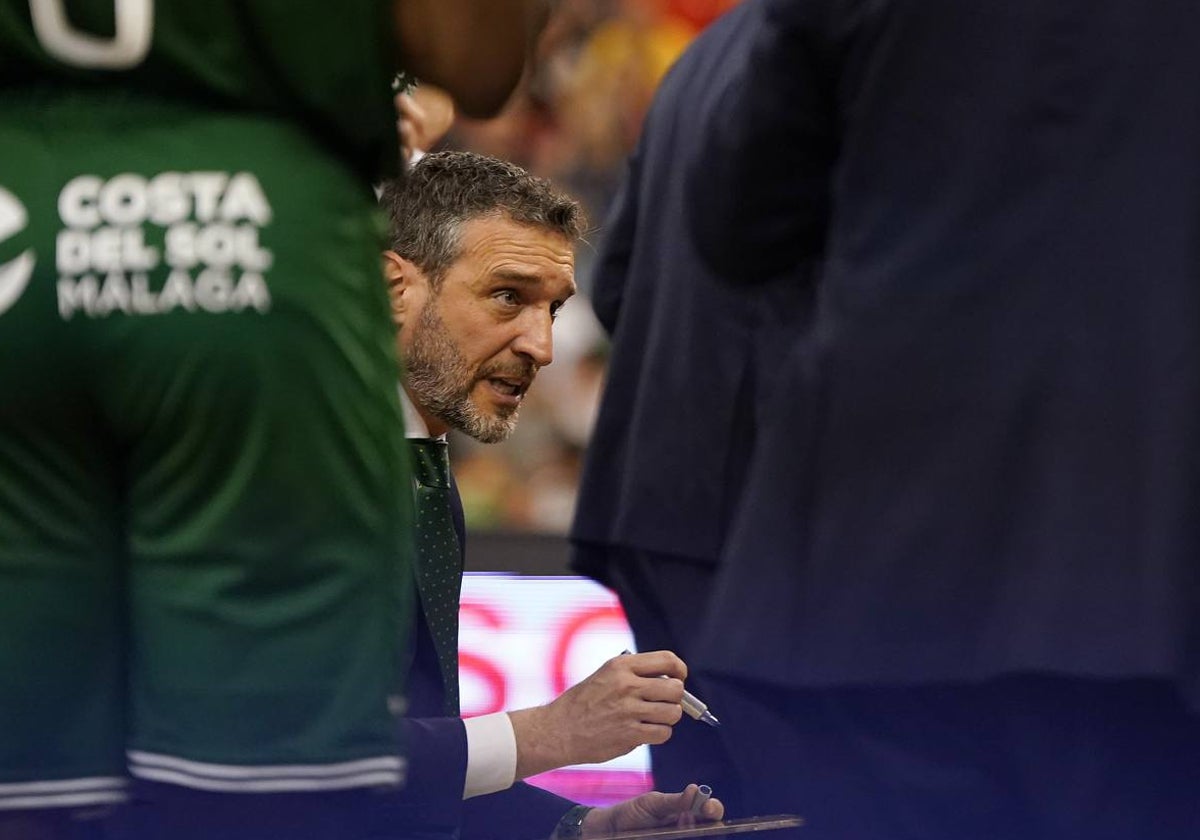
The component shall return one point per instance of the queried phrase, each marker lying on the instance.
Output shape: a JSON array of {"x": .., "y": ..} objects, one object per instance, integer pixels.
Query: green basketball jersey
[
  {"x": 205, "y": 503},
  {"x": 327, "y": 66}
]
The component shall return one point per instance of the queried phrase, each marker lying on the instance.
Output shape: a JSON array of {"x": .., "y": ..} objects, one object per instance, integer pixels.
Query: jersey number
[{"x": 127, "y": 48}]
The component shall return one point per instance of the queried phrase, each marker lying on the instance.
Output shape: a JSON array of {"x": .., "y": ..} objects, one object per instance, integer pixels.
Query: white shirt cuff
[{"x": 491, "y": 754}]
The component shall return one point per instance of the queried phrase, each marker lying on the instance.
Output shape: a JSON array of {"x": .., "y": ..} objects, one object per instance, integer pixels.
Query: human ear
[{"x": 401, "y": 276}]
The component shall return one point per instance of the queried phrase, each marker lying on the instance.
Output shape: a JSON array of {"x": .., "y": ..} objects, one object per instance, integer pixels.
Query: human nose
[{"x": 535, "y": 341}]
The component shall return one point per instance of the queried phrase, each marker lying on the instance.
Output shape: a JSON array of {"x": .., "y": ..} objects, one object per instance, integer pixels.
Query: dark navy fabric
[{"x": 983, "y": 455}]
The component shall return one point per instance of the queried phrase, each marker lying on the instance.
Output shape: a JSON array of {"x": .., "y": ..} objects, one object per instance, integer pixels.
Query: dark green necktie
[{"x": 439, "y": 558}]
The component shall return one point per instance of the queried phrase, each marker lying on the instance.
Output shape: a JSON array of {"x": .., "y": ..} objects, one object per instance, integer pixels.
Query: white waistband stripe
[
  {"x": 381, "y": 771},
  {"x": 143, "y": 760},
  {"x": 276, "y": 785},
  {"x": 62, "y": 785},
  {"x": 62, "y": 800},
  {"x": 385, "y": 770}
]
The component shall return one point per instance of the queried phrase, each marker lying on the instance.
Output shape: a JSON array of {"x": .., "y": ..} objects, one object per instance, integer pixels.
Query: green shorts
[{"x": 205, "y": 508}]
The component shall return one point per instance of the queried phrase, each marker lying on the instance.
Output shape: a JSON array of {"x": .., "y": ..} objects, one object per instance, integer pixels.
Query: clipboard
[{"x": 741, "y": 825}]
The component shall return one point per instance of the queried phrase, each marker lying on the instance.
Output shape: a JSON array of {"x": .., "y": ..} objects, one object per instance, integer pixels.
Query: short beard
[{"x": 441, "y": 380}]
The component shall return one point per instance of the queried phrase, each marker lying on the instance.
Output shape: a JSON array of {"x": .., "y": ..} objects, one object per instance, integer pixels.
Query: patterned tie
[{"x": 439, "y": 558}]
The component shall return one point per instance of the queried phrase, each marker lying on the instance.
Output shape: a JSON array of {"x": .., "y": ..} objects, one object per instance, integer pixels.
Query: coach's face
[{"x": 473, "y": 343}]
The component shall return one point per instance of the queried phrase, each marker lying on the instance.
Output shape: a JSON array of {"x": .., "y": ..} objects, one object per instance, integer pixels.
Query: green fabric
[
  {"x": 439, "y": 561},
  {"x": 205, "y": 516},
  {"x": 325, "y": 66}
]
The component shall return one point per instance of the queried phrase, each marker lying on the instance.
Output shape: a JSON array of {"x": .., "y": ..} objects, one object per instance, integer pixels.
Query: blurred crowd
[{"x": 574, "y": 121}]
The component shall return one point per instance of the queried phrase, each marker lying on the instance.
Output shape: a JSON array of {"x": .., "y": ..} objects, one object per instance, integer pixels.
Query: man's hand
[
  {"x": 650, "y": 810},
  {"x": 624, "y": 704},
  {"x": 422, "y": 118}
]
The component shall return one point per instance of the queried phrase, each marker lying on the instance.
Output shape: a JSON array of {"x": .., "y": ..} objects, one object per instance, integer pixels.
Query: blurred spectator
[
  {"x": 580, "y": 112},
  {"x": 700, "y": 13}
]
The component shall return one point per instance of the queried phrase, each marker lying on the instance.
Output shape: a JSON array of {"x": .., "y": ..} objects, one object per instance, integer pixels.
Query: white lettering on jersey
[
  {"x": 128, "y": 47},
  {"x": 209, "y": 223}
]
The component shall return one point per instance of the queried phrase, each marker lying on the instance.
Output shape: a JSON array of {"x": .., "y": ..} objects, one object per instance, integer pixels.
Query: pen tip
[{"x": 710, "y": 719}]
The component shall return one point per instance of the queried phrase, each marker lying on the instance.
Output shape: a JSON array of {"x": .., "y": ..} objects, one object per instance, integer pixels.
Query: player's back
[
  {"x": 190, "y": 293},
  {"x": 327, "y": 69}
]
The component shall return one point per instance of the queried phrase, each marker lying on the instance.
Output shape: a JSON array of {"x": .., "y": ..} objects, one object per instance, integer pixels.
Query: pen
[
  {"x": 692, "y": 704},
  {"x": 703, "y": 794}
]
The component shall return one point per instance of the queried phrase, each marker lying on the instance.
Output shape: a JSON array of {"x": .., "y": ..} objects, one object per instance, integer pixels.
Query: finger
[
  {"x": 408, "y": 106},
  {"x": 653, "y": 733},
  {"x": 665, "y": 807},
  {"x": 713, "y": 810},
  {"x": 658, "y": 714},
  {"x": 655, "y": 664},
  {"x": 438, "y": 108},
  {"x": 635, "y": 734},
  {"x": 406, "y": 142},
  {"x": 658, "y": 690}
]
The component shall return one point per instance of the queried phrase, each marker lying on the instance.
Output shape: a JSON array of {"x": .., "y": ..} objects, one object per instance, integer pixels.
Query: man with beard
[{"x": 480, "y": 264}]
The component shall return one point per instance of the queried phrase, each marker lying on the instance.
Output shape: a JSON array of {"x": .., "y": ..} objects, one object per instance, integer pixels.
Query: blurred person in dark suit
[
  {"x": 481, "y": 261},
  {"x": 691, "y": 353},
  {"x": 961, "y": 595}
]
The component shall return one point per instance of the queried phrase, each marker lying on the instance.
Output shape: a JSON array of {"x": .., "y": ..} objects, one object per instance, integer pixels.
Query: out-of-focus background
[{"x": 574, "y": 121}]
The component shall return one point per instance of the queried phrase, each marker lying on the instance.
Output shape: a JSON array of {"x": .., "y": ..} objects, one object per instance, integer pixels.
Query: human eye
[{"x": 507, "y": 297}]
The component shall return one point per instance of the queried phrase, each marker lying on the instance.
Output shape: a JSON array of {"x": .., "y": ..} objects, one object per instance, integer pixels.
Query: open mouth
[{"x": 512, "y": 388}]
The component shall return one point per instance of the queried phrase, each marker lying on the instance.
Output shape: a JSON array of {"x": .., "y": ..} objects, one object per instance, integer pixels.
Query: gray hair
[{"x": 428, "y": 205}]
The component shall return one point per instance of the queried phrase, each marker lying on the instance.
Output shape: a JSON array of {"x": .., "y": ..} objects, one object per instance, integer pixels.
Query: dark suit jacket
[
  {"x": 985, "y": 453},
  {"x": 432, "y": 804},
  {"x": 689, "y": 351}
]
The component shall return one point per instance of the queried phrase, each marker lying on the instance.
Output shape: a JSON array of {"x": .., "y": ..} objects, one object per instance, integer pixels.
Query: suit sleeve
[
  {"x": 616, "y": 250},
  {"x": 759, "y": 194},
  {"x": 522, "y": 811},
  {"x": 431, "y": 801}
]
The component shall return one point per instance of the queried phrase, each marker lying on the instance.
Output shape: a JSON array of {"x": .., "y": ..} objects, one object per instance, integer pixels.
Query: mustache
[{"x": 524, "y": 371}]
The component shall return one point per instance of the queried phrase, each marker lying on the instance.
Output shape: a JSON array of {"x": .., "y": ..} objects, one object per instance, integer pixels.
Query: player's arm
[{"x": 475, "y": 49}]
